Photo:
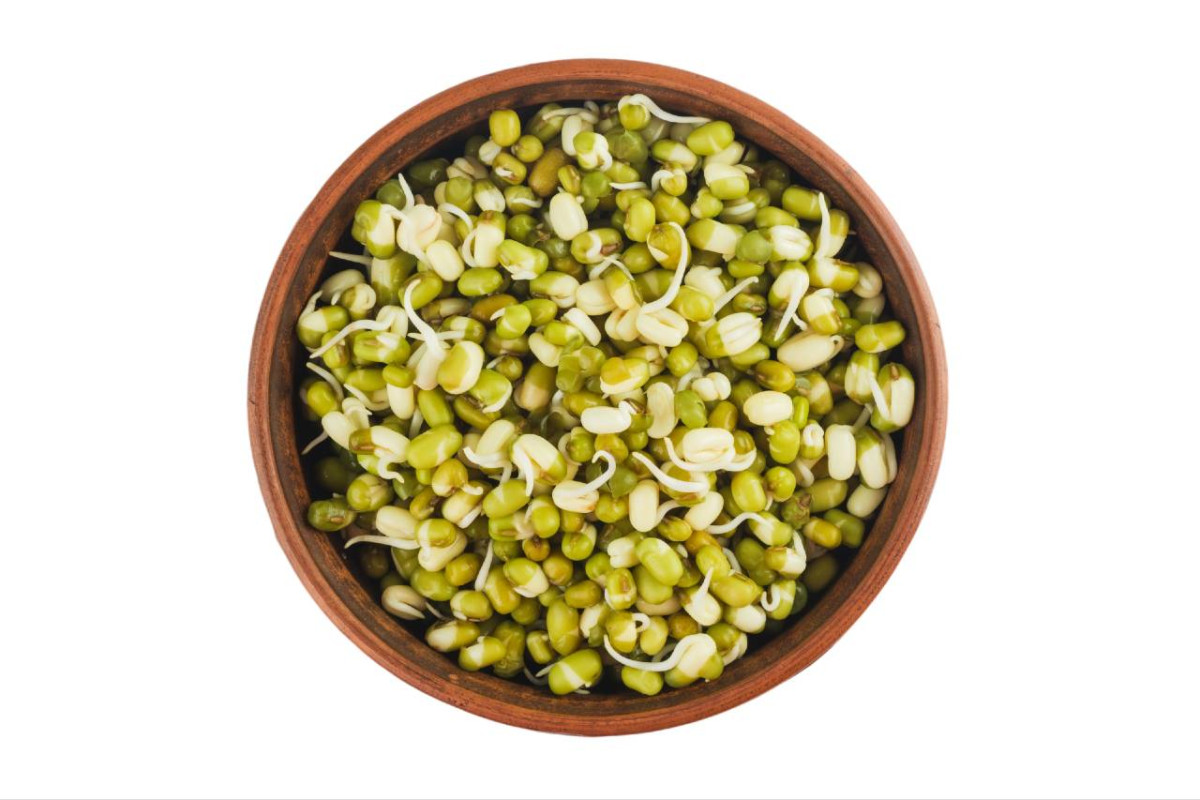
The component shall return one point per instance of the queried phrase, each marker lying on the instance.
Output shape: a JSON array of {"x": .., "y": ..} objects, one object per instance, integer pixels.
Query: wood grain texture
[{"x": 275, "y": 357}]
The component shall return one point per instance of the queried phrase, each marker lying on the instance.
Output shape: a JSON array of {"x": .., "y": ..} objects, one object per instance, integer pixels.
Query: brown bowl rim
[{"x": 506, "y": 701}]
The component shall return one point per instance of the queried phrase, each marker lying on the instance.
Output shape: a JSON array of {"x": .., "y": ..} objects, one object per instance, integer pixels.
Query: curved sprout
[
  {"x": 657, "y": 666},
  {"x": 485, "y": 567},
  {"x": 470, "y": 516},
  {"x": 738, "y": 520},
  {"x": 653, "y": 108},
  {"x": 399, "y": 544},
  {"x": 774, "y": 601},
  {"x": 610, "y": 260},
  {"x": 685, "y": 256},
  {"x": 724, "y": 299},
  {"x": 734, "y": 564},
  {"x": 687, "y": 487},
  {"x": 327, "y": 376},
  {"x": 600, "y": 480},
  {"x": 458, "y": 212},
  {"x": 365, "y": 260}
]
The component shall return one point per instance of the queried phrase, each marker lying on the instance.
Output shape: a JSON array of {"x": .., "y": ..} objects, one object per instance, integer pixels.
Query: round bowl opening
[{"x": 276, "y": 364}]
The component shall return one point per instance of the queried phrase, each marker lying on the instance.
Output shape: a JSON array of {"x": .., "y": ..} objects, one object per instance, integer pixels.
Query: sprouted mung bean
[{"x": 605, "y": 393}]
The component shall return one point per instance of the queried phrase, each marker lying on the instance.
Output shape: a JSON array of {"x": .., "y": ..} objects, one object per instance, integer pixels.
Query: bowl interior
[{"x": 445, "y": 121}]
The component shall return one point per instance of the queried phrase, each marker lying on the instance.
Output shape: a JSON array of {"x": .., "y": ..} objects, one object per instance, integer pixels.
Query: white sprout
[
  {"x": 414, "y": 427},
  {"x": 609, "y": 260},
  {"x": 693, "y": 467},
  {"x": 654, "y": 666},
  {"x": 473, "y": 489},
  {"x": 310, "y": 306},
  {"x": 525, "y": 201},
  {"x": 734, "y": 564},
  {"x": 806, "y": 474},
  {"x": 587, "y": 114},
  {"x": 863, "y": 416},
  {"x": 663, "y": 508},
  {"x": 367, "y": 402},
  {"x": 826, "y": 234},
  {"x": 601, "y": 479},
  {"x": 685, "y": 255},
  {"x": 741, "y": 208},
  {"x": 499, "y": 404},
  {"x": 689, "y": 376},
  {"x": 365, "y": 260},
  {"x": 774, "y": 601},
  {"x": 562, "y": 448},
  {"x": 485, "y": 567},
  {"x": 489, "y": 461},
  {"x": 658, "y": 177},
  {"x": 458, "y": 212},
  {"x": 465, "y": 250},
  {"x": 653, "y": 108},
  {"x": 793, "y": 303},
  {"x": 434, "y": 611},
  {"x": 308, "y": 447},
  {"x": 747, "y": 461},
  {"x": 880, "y": 401},
  {"x": 640, "y": 621},
  {"x": 357, "y": 325},
  {"x": 399, "y": 544},
  {"x": 686, "y": 487},
  {"x": 470, "y": 516},
  {"x": 409, "y": 202},
  {"x": 534, "y": 679},
  {"x": 327, "y": 376},
  {"x": 724, "y": 299},
  {"x": 594, "y": 250},
  {"x": 620, "y": 187},
  {"x": 738, "y": 520},
  {"x": 428, "y": 334},
  {"x": 666, "y": 651}
]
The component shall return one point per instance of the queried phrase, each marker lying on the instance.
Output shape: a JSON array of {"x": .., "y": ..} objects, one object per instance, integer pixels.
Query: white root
[
  {"x": 738, "y": 520},
  {"x": 653, "y": 108},
  {"x": 685, "y": 487},
  {"x": 774, "y": 600},
  {"x": 826, "y": 234},
  {"x": 327, "y": 376},
  {"x": 656, "y": 666},
  {"x": 399, "y": 544},
  {"x": 352, "y": 258},
  {"x": 601, "y": 479},
  {"x": 664, "y": 508},
  {"x": 357, "y": 325},
  {"x": 486, "y": 566},
  {"x": 734, "y": 564},
  {"x": 685, "y": 255},
  {"x": 458, "y": 212},
  {"x": 470, "y": 516},
  {"x": 499, "y": 404},
  {"x": 534, "y": 679},
  {"x": 609, "y": 260},
  {"x": 724, "y": 299},
  {"x": 308, "y": 447}
]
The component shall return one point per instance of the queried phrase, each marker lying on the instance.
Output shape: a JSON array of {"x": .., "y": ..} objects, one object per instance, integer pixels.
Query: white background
[{"x": 1040, "y": 637}]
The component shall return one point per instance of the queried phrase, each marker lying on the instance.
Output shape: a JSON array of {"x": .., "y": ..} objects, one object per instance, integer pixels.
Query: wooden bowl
[{"x": 277, "y": 357}]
